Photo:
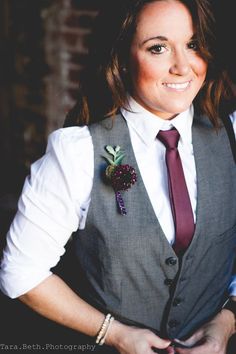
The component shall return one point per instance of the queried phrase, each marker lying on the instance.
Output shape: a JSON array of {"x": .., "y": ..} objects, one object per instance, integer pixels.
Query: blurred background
[{"x": 43, "y": 47}]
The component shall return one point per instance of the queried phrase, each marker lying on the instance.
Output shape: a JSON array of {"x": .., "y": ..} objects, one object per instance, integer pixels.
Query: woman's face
[{"x": 166, "y": 69}]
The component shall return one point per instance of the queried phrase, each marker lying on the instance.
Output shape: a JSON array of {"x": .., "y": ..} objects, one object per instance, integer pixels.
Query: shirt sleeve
[
  {"x": 233, "y": 120},
  {"x": 52, "y": 205},
  {"x": 232, "y": 287}
]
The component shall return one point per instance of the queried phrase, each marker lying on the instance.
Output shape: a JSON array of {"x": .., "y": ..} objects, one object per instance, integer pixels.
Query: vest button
[
  {"x": 168, "y": 282},
  {"x": 171, "y": 261},
  {"x": 173, "y": 323},
  {"x": 177, "y": 301}
]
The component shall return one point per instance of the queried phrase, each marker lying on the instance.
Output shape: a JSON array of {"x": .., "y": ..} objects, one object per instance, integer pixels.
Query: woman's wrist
[
  {"x": 229, "y": 310},
  {"x": 229, "y": 320},
  {"x": 115, "y": 334}
]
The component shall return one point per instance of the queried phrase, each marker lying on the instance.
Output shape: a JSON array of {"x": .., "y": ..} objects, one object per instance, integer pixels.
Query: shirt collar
[{"x": 147, "y": 124}]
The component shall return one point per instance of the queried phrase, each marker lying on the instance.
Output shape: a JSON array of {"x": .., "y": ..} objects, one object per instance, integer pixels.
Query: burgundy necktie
[{"x": 179, "y": 197}]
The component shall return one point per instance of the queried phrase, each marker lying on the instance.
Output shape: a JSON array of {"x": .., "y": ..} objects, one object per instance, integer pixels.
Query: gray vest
[{"x": 130, "y": 268}]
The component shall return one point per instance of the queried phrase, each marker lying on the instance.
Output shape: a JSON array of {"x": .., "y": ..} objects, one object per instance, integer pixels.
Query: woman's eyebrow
[
  {"x": 164, "y": 39},
  {"x": 160, "y": 38}
]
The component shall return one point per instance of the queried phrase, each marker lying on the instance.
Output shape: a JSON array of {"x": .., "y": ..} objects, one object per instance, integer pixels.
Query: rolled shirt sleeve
[{"x": 53, "y": 204}]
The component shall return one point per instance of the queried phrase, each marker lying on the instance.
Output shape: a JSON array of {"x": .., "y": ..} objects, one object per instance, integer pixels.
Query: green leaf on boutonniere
[
  {"x": 110, "y": 149},
  {"x": 119, "y": 159},
  {"x": 117, "y": 154},
  {"x": 117, "y": 149},
  {"x": 109, "y": 160}
]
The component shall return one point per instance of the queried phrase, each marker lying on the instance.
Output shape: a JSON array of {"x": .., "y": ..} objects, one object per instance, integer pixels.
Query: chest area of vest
[{"x": 139, "y": 231}]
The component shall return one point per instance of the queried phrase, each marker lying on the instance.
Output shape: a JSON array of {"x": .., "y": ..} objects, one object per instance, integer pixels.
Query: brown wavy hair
[{"x": 104, "y": 83}]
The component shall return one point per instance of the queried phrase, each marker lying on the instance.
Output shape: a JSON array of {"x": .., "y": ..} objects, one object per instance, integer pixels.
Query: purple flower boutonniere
[{"x": 121, "y": 177}]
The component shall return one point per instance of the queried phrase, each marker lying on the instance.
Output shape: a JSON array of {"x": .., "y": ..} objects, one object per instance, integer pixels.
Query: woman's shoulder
[
  {"x": 233, "y": 120},
  {"x": 233, "y": 116},
  {"x": 74, "y": 139},
  {"x": 70, "y": 135}
]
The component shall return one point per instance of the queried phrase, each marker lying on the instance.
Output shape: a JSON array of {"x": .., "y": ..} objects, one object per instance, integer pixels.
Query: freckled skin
[{"x": 158, "y": 63}]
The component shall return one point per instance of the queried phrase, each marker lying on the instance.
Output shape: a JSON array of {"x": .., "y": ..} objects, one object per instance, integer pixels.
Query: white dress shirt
[{"x": 56, "y": 195}]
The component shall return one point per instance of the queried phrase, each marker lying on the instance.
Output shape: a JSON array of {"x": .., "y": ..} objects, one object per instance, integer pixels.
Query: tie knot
[{"x": 169, "y": 138}]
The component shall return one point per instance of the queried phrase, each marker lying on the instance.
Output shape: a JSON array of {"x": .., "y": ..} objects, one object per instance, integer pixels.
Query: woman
[{"x": 151, "y": 282}]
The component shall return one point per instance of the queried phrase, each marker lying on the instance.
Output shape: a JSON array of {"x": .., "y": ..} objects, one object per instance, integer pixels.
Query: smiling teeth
[{"x": 178, "y": 86}]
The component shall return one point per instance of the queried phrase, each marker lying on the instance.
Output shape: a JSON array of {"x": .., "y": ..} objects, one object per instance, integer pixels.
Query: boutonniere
[{"x": 121, "y": 177}]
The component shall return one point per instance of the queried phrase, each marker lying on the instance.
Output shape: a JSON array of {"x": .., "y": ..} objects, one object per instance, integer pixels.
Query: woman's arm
[{"x": 53, "y": 299}]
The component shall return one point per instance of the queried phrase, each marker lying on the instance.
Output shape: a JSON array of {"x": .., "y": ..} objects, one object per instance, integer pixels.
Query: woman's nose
[{"x": 180, "y": 64}]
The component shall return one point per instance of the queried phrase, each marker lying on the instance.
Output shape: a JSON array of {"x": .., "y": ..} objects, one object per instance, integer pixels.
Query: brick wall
[
  {"x": 67, "y": 26},
  {"x": 22, "y": 90},
  {"x": 44, "y": 46}
]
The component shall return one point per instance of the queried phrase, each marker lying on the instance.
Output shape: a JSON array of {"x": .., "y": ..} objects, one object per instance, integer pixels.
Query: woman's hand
[
  {"x": 133, "y": 340},
  {"x": 212, "y": 337}
]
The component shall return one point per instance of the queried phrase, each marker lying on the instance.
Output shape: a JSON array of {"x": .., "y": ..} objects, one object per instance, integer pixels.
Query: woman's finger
[{"x": 195, "y": 338}]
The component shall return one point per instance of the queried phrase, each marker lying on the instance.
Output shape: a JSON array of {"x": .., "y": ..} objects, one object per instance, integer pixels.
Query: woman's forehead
[{"x": 168, "y": 19}]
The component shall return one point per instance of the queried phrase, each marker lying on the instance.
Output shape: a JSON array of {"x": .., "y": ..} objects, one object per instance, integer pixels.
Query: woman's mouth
[{"x": 178, "y": 86}]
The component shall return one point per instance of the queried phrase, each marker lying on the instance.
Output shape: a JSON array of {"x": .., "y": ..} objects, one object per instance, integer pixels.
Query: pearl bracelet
[
  {"x": 104, "y": 329},
  {"x": 102, "y": 341}
]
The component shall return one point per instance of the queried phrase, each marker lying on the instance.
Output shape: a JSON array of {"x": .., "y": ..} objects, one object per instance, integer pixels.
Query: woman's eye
[
  {"x": 157, "y": 49},
  {"x": 193, "y": 46}
]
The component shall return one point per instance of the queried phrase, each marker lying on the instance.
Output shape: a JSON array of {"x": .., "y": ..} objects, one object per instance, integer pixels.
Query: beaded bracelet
[
  {"x": 104, "y": 328},
  {"x": 102, "y": 341}
]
